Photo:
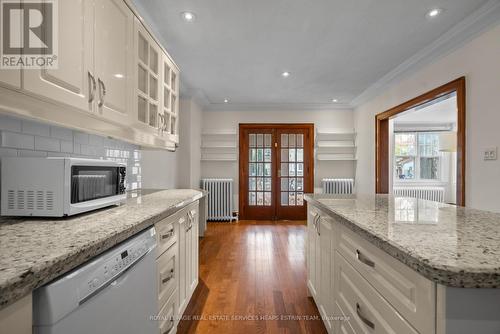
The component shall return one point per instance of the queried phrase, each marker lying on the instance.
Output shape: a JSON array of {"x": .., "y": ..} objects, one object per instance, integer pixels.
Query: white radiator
[
  {"x": 219, "y": 199},
  {"x": 429, "y": 193},
  {"x": 338, "y": 186}
]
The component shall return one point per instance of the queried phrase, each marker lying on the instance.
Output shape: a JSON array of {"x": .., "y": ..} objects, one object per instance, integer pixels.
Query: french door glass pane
[
  {"x": 267, "y": 199},
  {"x": 292, "y": 165},
  {"x": 300, "y": 140},
  {"x": 252, "y": 140},
  {"x": 260, "y": 184},
  {"x": 267, "y": 169},
  {"x": 284, "y": 199},
  {"x": 300, "y": 155},
  {"x": 267, "y": 155},
  {"x": 284, "y": 184},
  {"x": 253, "y": 155},
  {"x": 284, "y": 155},
  {"x": 252, "y": 183},
  {"x": 267, "y": 184},
  {"x": 252, "y": 198},
  {"x": 260, "y": 198},
  {"x": 284, "y": 140},
  {"x": 267, "y": 140}
]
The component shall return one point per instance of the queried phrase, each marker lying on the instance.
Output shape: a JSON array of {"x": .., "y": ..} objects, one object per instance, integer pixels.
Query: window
[{"x": 416, "y": 156}]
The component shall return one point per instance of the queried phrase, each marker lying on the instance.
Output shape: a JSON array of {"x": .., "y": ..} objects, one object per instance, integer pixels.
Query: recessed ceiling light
[
  {"x": 119, "y": 75},
  {"x": 434, "y": 12},
  {"x": 188, "y": 16},
  {"x": 335, "y": 100},
  {"x": 285, "y": 74},
  {"x": 226, "y": 100}
]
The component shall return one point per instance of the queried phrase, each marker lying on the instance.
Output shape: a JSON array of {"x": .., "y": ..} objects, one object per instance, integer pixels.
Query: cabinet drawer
[
  {"x": 167, "y": 231},
  {"x": 411, "y": 294},
  {"x": 342, "y": 326},
  {"x": 166, "y": 274},
  {"x": 167, "y": 321},
  {"x": 367, "y": 310}
]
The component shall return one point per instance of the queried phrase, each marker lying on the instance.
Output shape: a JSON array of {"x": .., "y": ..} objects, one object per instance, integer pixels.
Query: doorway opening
[
  {"x": 420, "y": 146},
  {"x": 276, "y": 169}
]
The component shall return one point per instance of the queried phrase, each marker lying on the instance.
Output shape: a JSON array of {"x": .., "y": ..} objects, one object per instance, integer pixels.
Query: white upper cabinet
[
  {"x": 113, "y": 78},
  {"x": 170, "y": 93},
  {"x": 147, "y": 86},
  {"x": 72, "y": 83},
  {"x": 113, "y": 42}
]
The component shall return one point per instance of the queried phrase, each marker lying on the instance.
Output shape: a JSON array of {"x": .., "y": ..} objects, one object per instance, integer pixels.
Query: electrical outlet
[{"x": 490, "y": 153}]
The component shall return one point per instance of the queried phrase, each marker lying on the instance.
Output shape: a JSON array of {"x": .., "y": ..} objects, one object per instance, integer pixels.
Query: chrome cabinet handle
[
  {"x": 168, "y": 234},
  {"x": 92, "y": 87},
  {"x": 363, "y": 259},
  {"x": 363, "y": 318},
  {"x": 169, "y": 277},
  {"x": 102, "y": 92}
]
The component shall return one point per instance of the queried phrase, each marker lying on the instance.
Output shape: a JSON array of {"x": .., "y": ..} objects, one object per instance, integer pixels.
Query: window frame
[{"x": 416, "y": 157}]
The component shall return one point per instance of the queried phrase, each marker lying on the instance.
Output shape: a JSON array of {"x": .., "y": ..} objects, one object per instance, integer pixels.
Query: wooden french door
[{"x": 276, "y": 170}]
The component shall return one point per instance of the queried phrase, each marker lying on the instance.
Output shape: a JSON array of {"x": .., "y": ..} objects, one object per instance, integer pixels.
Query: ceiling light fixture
[
  {"x": 188, "y": 16},
  {"x": 434, "y": 12},
  {"x": 285, "y": 74},
  {"x": 226, "y": 100},
  {"x": 335, "y": 100}
]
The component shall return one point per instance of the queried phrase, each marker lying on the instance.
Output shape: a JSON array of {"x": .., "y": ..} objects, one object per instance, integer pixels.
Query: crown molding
[
  {"x": 276, "y": 106},
  {"x": 457, "y": 36}
]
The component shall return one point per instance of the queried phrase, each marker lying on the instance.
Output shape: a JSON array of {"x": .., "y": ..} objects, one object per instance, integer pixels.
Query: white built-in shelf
[
  {"x": 335, "y": 157},
  {"x": 336, "y": 145},
  {"x": 220, "y": 145}
]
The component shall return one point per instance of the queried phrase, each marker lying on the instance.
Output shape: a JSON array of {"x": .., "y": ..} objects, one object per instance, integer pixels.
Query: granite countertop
[
  {"x": 453, "y": 246},
  {"x": 34, "y": 251}
]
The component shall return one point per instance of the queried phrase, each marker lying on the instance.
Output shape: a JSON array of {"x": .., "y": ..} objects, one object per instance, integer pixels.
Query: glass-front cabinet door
[{"x": 170, "y": 90}]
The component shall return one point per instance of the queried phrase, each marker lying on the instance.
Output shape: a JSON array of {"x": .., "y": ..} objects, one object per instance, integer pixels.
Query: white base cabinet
[
  {"x": 359, "y": 288},
  {"x": 177, "y": 265}
]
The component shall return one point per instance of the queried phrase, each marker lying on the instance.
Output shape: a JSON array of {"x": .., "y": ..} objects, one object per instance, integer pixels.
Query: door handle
[
  {"x": 92, "y": 87},
  {"x": 102, "y": 92}
]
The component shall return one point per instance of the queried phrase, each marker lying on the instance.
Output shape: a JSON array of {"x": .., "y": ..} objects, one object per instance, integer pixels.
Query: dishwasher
[{"x": 114, "y": 293}]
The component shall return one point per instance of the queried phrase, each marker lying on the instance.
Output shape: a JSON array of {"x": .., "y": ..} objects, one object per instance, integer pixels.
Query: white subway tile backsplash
[
  {"x": 17, "y": 140},
  {"x": 10, "y": 124},
  {"x": 80, "y": 137},
  {"x": 35, "y": 128},
  {"x": 61, "y": 133},
  {"x": 47, "y": 144},
  {"x": 29, "y": 153},
  {"x": 25, "y": 138},
  {"x": 8, "y": 152},
  {"x": 96, "y": 140},
  {"x": 66, "y": 146}
]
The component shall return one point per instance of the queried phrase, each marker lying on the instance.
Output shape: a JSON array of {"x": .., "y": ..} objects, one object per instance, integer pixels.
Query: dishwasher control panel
[{"x": 116, "y": 263}]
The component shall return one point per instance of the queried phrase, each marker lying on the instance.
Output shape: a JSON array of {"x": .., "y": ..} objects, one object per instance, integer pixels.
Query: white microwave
[{"x": 56, "y": 187}]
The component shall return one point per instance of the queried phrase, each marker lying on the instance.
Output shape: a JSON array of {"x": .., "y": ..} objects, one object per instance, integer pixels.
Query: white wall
[
  {"x": 180, "y": 169},
  {"x": 478, "y": 61},
  {"x": 214, "y": 121}
]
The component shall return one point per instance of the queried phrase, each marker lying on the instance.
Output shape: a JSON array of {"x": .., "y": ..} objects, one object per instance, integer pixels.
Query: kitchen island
[
  {"x": 35, "y": 251},
  {"x": 403, "y": 265}
]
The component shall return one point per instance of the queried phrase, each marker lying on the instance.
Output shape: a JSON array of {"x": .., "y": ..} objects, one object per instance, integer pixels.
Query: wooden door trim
[
  {"x": 243, "y": 156},
  {"x": 382, "y": 168}
]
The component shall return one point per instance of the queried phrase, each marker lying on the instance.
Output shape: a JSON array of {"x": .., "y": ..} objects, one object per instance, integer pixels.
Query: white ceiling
[
  {"x": 444, "y": 111},
  {"x": 237, "y": 49}
]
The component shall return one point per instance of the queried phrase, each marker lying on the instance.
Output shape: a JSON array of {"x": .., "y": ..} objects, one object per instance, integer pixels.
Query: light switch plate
[{"x": 490, "y": 153}]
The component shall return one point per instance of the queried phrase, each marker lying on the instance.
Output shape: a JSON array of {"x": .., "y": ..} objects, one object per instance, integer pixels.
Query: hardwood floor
[{"x": 252, "y": 280}]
